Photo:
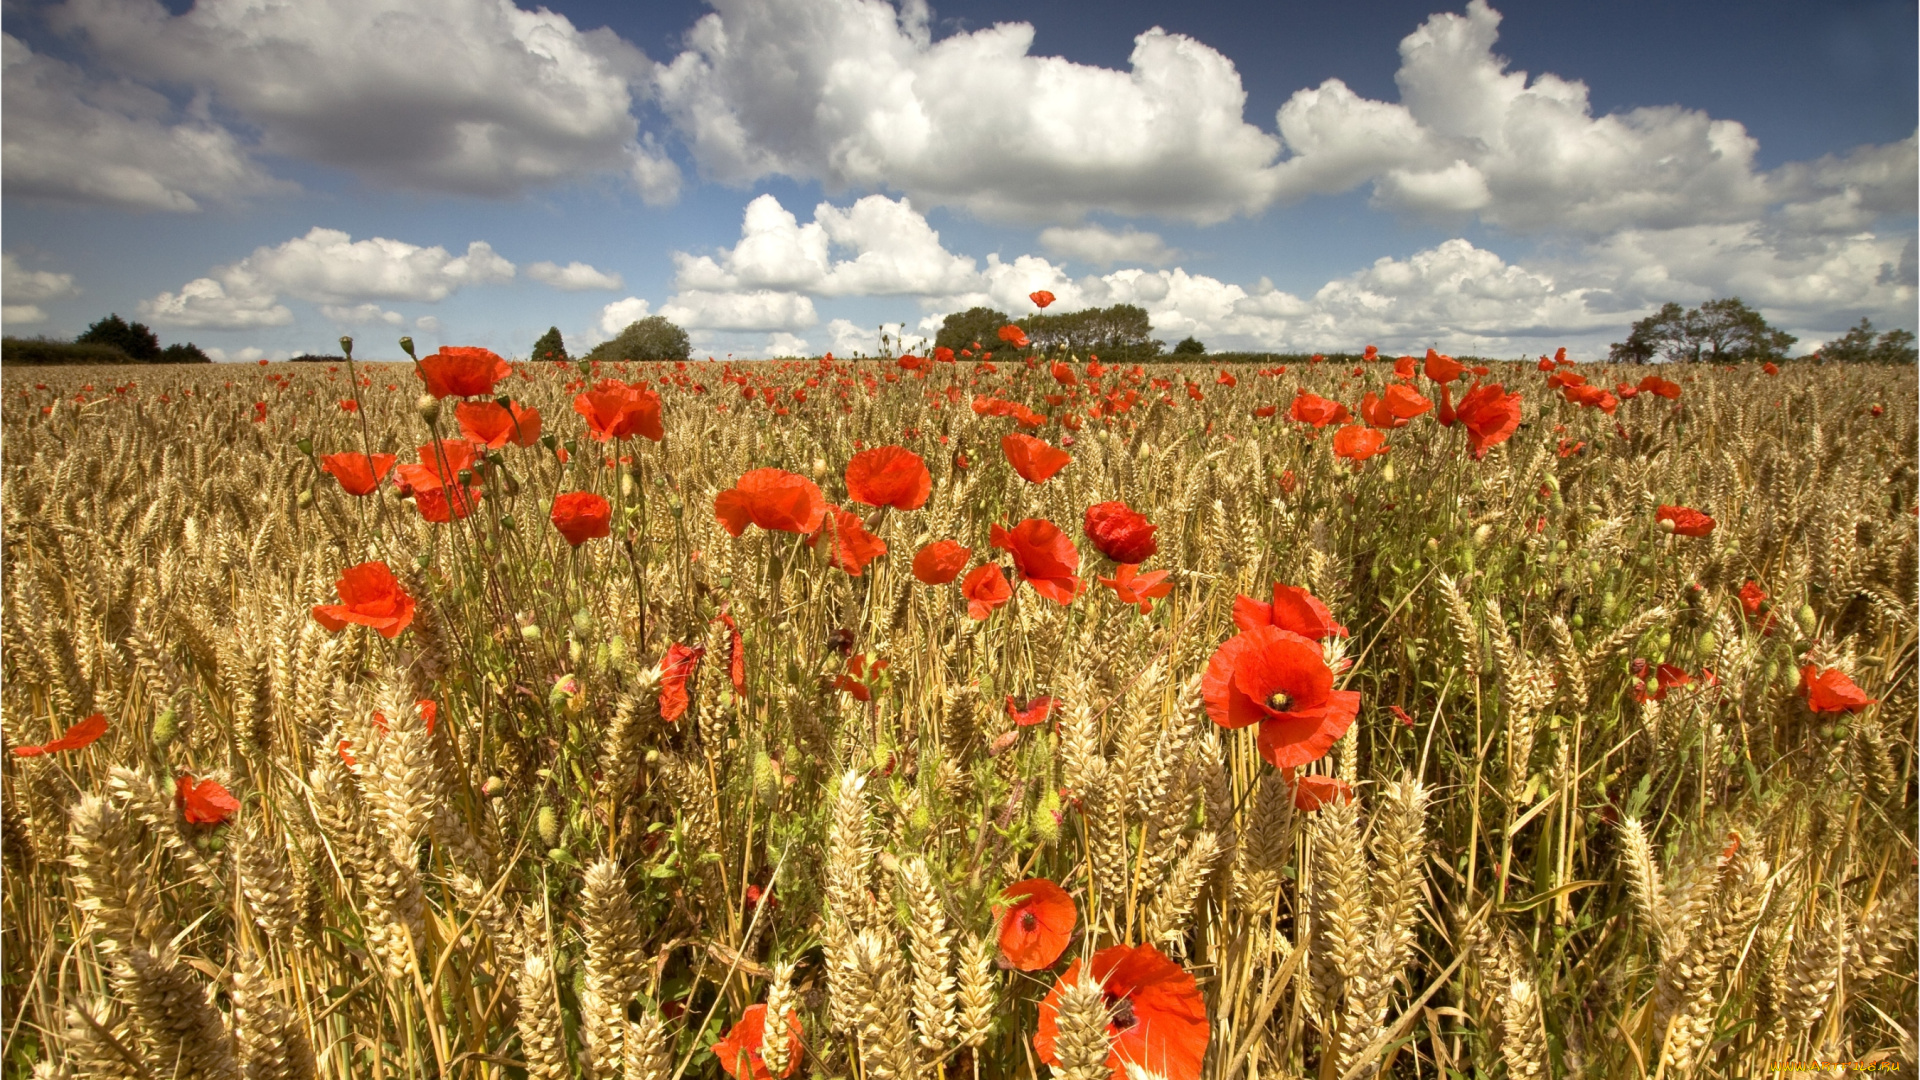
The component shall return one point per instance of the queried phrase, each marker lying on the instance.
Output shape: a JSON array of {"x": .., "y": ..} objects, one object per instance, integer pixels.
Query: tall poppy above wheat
[{"x": 370, "y": 596}]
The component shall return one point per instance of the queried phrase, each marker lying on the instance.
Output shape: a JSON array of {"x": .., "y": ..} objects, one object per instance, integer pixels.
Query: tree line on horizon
[{"x": 1718, "y": 331}]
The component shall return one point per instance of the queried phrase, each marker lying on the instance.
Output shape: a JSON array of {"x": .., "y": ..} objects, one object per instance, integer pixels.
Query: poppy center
[
  {"x": 1280, "y": 701},
  {"x": 1122, "y": 1015},
  {"x": 1027, "y": 922}
]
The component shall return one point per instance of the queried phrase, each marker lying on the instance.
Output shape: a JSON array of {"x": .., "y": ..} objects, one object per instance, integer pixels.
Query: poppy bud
[
  {"x": 1666, "y": 526},
  {"x": 819, "y": 466},
  {"x": 1707, "y": 641},
  {"x": 549, "y": 825},
  {"x": 346, "y": 347},
  {"x": 530, "y": 632},
  {"x": 304, "y": 499},
  {"x": 1806, "y": 618},
  {"x": 494, "y": 787},
  {"x": 1480, "y": 534},
  {"x": 1638, "y": 666},
  {"x": 406, "y": 346},
  {"x": 304, "y": 445},
  {"x": 165, "y": 727},
  {"x": 428, "y": 407},
  {"x": 466, "y": 476},
  {"x": 1003, "y": 742},
  {"x": 617, "y": 649},
  {"x": 549, "y": 440}
]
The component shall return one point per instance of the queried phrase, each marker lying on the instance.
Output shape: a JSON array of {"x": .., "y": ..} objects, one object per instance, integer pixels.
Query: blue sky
[{"x": 784, "y": 176}]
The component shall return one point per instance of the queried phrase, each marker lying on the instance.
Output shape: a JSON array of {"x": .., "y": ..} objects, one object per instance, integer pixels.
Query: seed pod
[
  {"x": 1806, "y": 618},
  {"x": 428, "y": 407},
  {"x": 165, "y": 727}
]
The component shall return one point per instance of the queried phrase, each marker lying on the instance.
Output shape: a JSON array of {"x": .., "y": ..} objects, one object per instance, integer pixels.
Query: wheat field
[{"x": 1553, "y": 780}]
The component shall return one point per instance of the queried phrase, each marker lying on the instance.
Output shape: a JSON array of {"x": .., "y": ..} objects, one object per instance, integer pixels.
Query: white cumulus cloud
[
  {"x": 361, "y": 314},
  {"x": 73, "y": 140},
  {"x": 893, "y": 252},
  {"x": 621, "y": 314},
  {"x": 23, "y": 290},
  {"x": 853, "y": 93},
  {"x": 761, "y": 309},
  {"x": 1104, "y": 247},
  {"x": 477, "y": 97},
  {"x": 330, "y": 268},
  {"x": 574, "y": 277}
]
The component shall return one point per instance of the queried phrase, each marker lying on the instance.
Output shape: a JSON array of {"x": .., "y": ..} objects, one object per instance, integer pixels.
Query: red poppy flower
[
  {"x": 1040, "y": 298},
  {"x": 1063, "y": 374},
  {"x": 435, "y": 483},
  {"x": 1442, "y": 368},
  {"x": 1831, "y": 691},
  {"x": 581, "y": 516},
  {"x": 1294, "y": 610},
  {"x": 773, "y": 499},
  {"x": 1278, "y": 679},
  {"x": 1265, "y": 412},
  {"x": 1395, "y": 409},
  {"x": 357, "y": 474},
  {"x": 1401, "y": 714},
  {"x": 616, "y": 410},
  {"x": 1037, "y": 923},
  {"x": 861, "y": 676},
  {"x": 1158, "y": 1024},
  {"x": 370, "y": 596},
  {"x": 849, "y": 545},
  {"x": 1568, "y": 447},
  {"x": 676, "y": 668},
  {"x": 1404, "y": 367},
  {"x": 985, "y": 588},
  {"x": 1036, "y": 460},
  {"x": 205, "y": 803},
  {"x": 1357, "y": 443},
  {"x": 1751, "y": 597},
  {"x": 940, "y": 562},
  {"x": 942, "y": 355},
  {"x": 889, "y": 476},
  {"x": 1544, "y": 365},
  {"x": 1031, "y": 712},
  {"x": 1686, "y": 520},
  {"x": 1592, "y": 397},
  {"x": 457, "y": 371},
  {"x": 736, "y": 655},
  {"x": 493, "y": 425},
  {"x": 1044, "y": 557},
  {"x": 1654, "y": 384},
  {"x": 1770, "y": 368},
  {"x": 1310, "y": 793},
  {"x": 1225, "y": 378},
  {"x": 1014, "y": 336},
  {"x": 1491, "y": 416},
  {"x": 1132, "y": 587},
  {"x": 79, "y": 736},
  {"x": 1316, "y": 410},
  {"x": 1120, "y": 533},
  {"x": 739, "y": 1051}
]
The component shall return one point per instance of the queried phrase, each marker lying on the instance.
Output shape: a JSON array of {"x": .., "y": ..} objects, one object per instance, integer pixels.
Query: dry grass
[{"x": 1536, "y": 876}]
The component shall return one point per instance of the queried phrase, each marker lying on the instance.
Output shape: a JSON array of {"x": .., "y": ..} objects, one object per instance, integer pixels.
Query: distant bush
[
  {"x": 15, "y": 350},
  {"x": 652, "y": 338},
  {"x": 316, "y": 358},
  {"x": 1190, "y": 346},
  {"x": 184, "y": 354},
  {"x": 134, "y": 339},
  {"x": 551, "y": 348}
]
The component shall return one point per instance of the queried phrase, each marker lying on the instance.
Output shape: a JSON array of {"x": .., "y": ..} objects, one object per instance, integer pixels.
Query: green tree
[
  {"x": 1896, "y": 347},
  {"x": 550, "y": 347},
  {"x": 652, "y": 338},
  {"x": 1122, "y": 332},
  {"x": 962, "y": 328},
  {"x": 1189, "y": 347},
  {"x": 184, "y": 354},
  {"x": 133, "y": 339},
  {"x": 1716, "y": 332},
  {"x": 1861, "y": 345}
]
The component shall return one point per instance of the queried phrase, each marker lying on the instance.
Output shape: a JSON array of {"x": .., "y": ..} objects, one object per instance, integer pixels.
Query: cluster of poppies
[
  {"x": 1488, "y": 414},
  {"x": 1157, "y": 1017}
]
